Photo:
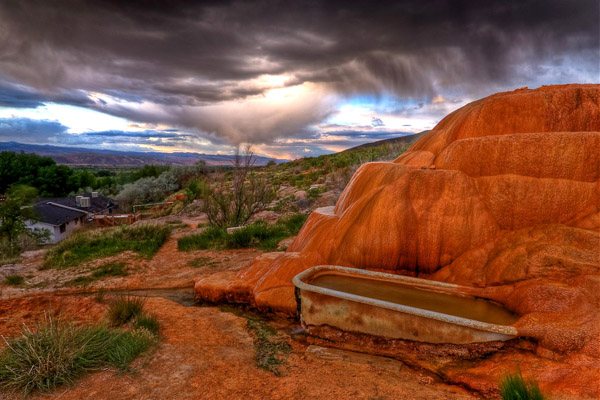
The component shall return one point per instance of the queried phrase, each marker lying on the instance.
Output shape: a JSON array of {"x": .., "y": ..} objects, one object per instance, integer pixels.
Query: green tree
[
  {"x": 14, "y": 211},
  {"x": 84, "y": 179},
  {"x": 41, "y": 172}
]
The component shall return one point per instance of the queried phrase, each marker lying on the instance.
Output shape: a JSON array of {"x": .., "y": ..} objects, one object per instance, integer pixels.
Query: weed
[
  {"x": 210, "y": 237},
  {"x": 57, "y": 353},
  {"x": 271, "y": 350},
  {"x": 80, "y": 281},
  {"x": 200, "y": 262},
  {"x": 5, "y": 260},
  {"x": 99, "y": 296},
  {"x": 14, "y": 280},
  {"x": 179, "y": 226},
  {"x": 110, "y": 269},
  {"x": 103, "y": 271},
  {"x": 148, "y": 322},
  {"x": 125, "y": 309},
  {"x": 514, "y": 387},
  {"x": 146, "y": 240},
  {"x": 125, "y": 346},
  {"x": 259, "y": 234},
  {"x": 293, "y": 222}
]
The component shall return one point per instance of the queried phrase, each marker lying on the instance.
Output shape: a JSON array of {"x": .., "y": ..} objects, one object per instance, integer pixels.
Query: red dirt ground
[{"x": 209, "y": 354}]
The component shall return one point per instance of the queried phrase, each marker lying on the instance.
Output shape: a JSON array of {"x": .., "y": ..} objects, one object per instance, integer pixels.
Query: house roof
[
  {"x": 97, "y": 204},
  {"x": 55, "y": 215}
]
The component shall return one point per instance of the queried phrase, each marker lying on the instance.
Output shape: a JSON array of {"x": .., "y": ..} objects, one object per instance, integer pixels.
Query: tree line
[{"x": 52, "y": 180}]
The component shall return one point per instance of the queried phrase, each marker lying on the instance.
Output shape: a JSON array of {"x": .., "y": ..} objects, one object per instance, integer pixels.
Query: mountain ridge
[{"x": 94, "y": 157}]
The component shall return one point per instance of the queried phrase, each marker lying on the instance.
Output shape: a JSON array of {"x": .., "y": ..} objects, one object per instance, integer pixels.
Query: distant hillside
[
  {"x": 84, "y": 156},
  {"x": 408, "y": 139}
]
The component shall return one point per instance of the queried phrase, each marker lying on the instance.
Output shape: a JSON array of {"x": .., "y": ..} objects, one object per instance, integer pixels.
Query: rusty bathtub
[{"x": 398, "y": 307}]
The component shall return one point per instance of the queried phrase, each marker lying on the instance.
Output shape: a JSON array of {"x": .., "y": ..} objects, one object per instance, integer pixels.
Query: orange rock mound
[{"x": 503, "y": 194}]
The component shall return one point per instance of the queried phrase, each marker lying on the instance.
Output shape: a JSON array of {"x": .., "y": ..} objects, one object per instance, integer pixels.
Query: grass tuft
[
  {"x": 14, "y": 280},
  {"x": 208, "y": 238},
  {"x": 514, "y": 387},
  {"x": 200, "y": 262},
  {"x": 80, "y": 247},
  {"x": 293, "y": 222},
  {"x": 147, "y": 322},
  {"x": 125, "y": 346},
  {"x": 103, "y": 271},
  {"x": 125, "y": 309},
  {"x": 110, "y": 269},
  {"x": 55, "y": 354},
  {"x": 271, "y": 350}
]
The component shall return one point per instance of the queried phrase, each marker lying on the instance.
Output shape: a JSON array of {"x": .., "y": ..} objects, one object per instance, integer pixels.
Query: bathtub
[{"x": 398, "y": 307}]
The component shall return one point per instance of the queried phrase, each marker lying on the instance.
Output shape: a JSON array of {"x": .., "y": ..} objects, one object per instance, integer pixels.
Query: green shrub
[
  {"x": 248, "y": 236},
  {"x": 5, "y": 259},
  {"x": 57, "y": 353},
  {"x": 208, "y": 238},
  {"x": 125, "y": 309},
  {"x": 514, "y": 387},
  {"x": 84, "y": 246},
  {"x": 259, "y": 234},
  {"x": 14, "y": 280},
  {"x": 293, "y": 222}
]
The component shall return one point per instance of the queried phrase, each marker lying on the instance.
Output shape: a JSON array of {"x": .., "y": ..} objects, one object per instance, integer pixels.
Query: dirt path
[{"x": 169, "y": 268}]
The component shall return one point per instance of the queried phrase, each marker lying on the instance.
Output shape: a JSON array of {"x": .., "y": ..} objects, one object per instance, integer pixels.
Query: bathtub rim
[{"x": 423, "y": 284}]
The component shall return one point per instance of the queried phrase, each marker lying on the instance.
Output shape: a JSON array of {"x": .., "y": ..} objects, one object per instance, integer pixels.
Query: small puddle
[{"x": 184, "y": 296}]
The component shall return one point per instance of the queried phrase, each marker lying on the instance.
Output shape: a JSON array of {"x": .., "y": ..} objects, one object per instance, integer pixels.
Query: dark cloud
[
  {"x": 199, "y": 61},
  {"x": 30, "y": 130},
  {"x": 11, "y": 97},
  {"x": 35, "y": 131},
  {"x": 167, "y": 134},
  {"x": 118, "y": 137},
  {"x": 20, "y": 96}
]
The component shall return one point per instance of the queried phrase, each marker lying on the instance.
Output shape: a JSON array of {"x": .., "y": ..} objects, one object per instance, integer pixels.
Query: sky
[{"x": 292, "y": 78}]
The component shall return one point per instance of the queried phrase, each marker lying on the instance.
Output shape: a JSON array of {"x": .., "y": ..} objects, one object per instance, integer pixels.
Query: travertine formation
[{"x": 503, "y": 194}]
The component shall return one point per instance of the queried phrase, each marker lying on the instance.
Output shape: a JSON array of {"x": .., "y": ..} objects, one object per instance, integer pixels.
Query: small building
[
  {"x": 59, "y": 221},
  {"x": 91, "y": 203},
  {"x": 61, "y": 216}
]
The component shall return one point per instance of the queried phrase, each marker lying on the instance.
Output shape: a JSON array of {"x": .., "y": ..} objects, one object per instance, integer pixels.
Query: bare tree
[{"x": 233, "y": 202}]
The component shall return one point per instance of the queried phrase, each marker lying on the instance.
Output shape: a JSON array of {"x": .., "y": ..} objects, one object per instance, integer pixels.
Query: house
[
  {"x": 91, "y": 203},
  {"x": 59, "y": 221},
  {"x": 61, "y": 216}
]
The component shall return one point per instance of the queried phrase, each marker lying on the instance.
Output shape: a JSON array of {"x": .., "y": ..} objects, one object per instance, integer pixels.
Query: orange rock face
[{"x": 503, "y": 194}]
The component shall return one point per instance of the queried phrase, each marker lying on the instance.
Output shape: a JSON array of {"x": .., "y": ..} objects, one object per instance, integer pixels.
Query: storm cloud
[{"x": 247, "y": 71}]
